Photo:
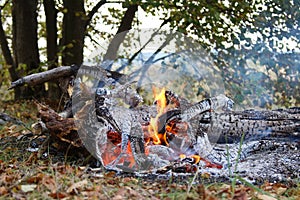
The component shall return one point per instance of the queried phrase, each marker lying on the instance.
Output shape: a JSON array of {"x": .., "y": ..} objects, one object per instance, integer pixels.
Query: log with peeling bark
[
  {"x": 275, "y": 123},
  {"x": 63, "y": 71},
  {"x": 230, "y": 126},
  {"x": 42, "y": 77},
  {"x": 60, "y": 129},
  {"x": 281, "y": 126}
]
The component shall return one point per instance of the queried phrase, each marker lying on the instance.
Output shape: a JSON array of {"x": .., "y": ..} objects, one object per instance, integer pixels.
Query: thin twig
[
  {"x": 193, "y": 180},
  {"x": 94, "y": 11},
  {"x": 139, "y": 51},
  {"x": 6, "y": 2}
]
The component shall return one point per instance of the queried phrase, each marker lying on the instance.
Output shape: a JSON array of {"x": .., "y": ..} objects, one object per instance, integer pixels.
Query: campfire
[
  {"x": 145, "y": 137},
  {"x": 124, "y": 133}
]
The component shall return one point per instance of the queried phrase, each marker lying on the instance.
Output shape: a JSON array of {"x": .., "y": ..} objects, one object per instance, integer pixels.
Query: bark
[
  {"x": 42, "y": 77},
  {"x": 66, "y": 71},
  {"x": 51, "y": 35},
  {"x": 126, "y": 24},
  {"x": 51, "y": 32},
  {"x": 25, "y": 44},
  {"x": 73, "y": 32}
]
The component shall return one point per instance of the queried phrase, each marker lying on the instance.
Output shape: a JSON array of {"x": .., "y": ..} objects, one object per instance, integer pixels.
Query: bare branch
[
  {"x": 125, "y": 25},
  {"x": 92, "y": 39},
  {"x": 94, "y": 11},
  {"x": 150, "y": 60},
  {"x": 164, "y": 57},
  {"x": 139, "y": 51}
]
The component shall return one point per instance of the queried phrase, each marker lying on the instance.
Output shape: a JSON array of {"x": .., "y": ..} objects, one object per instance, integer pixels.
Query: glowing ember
[{"x": 195, "y": 159}]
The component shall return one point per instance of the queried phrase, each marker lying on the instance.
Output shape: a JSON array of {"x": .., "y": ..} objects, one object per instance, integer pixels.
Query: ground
[{"x": 27, "y": 175}]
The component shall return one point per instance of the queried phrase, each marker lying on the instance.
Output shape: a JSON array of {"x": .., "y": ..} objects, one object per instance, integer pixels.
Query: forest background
[{"x": 254, "y": 44}]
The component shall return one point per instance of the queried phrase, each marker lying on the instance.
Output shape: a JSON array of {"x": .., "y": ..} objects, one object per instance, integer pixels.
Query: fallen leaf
[
  {"x": 280, "y": 190},
  {"x": 110, "y": 174},
  {"x": 3, "y": 190},
  {"x": 28, "y": 188},
  {"x": 77, "y": 185},
  {"x": 205, "y": 175},
  {"x": 265, "y": 197},
  {"x": 57, "y": 195},
  {"x": 35, "y": 179},
  {"x": 240, "y": 195},
  {"x": 118, "y": 197},
  {"x": 49, "y": 183}
]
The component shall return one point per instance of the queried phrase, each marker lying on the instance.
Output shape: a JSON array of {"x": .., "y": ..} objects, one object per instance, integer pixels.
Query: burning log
[
  {"x": 126, "y": 139},
  {"x": 229, "y": 127}
]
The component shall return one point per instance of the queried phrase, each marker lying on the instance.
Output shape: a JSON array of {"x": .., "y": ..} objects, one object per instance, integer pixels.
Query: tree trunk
[
  {"x": 25, "y": 44},
  {"x": 54, "y": 91},
  {"x": 73, "y": 32},
  {"x": 6, "y": 52}
]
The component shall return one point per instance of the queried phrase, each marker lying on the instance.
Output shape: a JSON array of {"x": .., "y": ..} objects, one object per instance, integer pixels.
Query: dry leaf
[
  {"x": 28, "y": 188},
  {"x": 35, "y": 179},
  {"x": 49, "y": 183},
  {"x": 77, "y": 185},
  {"x": 205, "y": 175},
  {"x": 3, "y": 190},
  {"x": 265, "y": 197},
  {"x": 57, "y": 195}
]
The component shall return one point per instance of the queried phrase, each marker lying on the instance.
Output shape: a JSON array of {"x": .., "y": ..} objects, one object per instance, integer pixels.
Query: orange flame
[
  {"x": 152, "y": 136},
  {"x": 161, "y": 102}
]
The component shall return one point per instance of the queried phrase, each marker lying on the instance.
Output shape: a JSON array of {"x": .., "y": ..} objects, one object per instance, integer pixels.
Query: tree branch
[
  {"x": 126, "y": 24},
  {"x": 94, "y": 11},
  {"x": 38, "y": 78},
  {"x": 6, "y": 2},
  {"x": 150, "y": 60},
  {"x": 139, "y": 51}
]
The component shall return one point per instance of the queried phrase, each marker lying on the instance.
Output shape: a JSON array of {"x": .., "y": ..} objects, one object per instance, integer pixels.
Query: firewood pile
[{"x": 110, "y": 119}]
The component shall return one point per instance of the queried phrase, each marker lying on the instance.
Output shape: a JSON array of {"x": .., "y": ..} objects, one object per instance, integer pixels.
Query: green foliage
[{"x": 238, "y": 32}]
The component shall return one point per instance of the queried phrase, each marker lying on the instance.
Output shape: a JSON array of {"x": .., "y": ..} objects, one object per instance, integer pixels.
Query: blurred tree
[
  {"x": 265, "y": 33},
  {"x": 52, "y": 47},
  {"x": 73, "y": 30},
  {"x": 24, "y": 42}
]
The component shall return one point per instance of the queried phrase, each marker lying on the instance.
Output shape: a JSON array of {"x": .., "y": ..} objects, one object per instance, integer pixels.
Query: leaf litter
[{"x": 24, "y": 175}]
